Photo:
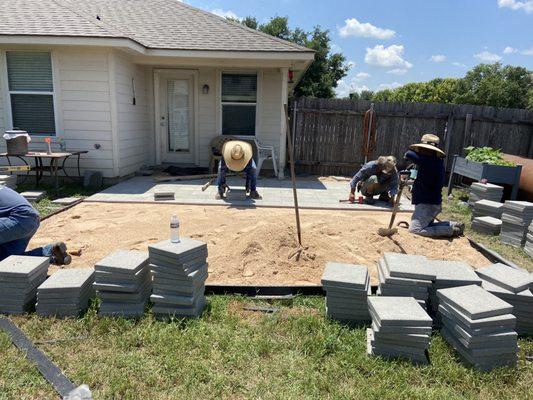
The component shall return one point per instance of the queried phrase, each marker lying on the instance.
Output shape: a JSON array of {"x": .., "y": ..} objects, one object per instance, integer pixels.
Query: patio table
[{"x": 53, "y": 166}]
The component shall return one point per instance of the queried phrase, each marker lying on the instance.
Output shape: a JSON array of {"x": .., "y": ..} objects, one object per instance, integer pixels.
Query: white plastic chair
[{"x": 265, "y": 152}]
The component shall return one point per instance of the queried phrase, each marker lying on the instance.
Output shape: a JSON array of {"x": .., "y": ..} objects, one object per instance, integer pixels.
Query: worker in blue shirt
[
  {"x": 427, "y": 190},
  {"x": 18, "y": 223},
  {"x": 378, "y": 177}
]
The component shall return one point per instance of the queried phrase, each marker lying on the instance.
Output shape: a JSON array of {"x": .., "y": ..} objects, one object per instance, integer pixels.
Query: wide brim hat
[
  {"x": 429, "y": 142},
  {"x": 237, "y": 154}
]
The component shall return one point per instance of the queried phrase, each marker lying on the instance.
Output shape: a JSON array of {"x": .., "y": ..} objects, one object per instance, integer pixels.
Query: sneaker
[
  {"x": 458, "y": 229},
  {"x": 219, "y": 196},
  {"x": 385, "y": 197},
  {"x": 370, "y": 200},
  {"x": 59, "y": 254},
  {"x": 254, "y": 195}
]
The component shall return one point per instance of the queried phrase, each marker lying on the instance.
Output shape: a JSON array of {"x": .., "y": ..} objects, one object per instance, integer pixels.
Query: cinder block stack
[
  {"x": 528, "y": 245},
  {"x": 9, "y": 180},
  {"x": 479, "y": 325},
  {"x": 123, "y": 283},
  {"x": 66, "y": 293},
  {"x": 405, "y": 275},
  {"x": 484, "y": 191},
  {"x": 514, "y": 287},
  {"x": 20, "y": 276},
  {"x": 449, "y": 274},
  {"x": 487, "y": 225},
  {"x": 347, "y": 287},
  {"x": 487, "y": 208},
  {"x": 179, "y": 273},
  {"x": 516, "y": 218},
  {"x": 400, "y": 329}
]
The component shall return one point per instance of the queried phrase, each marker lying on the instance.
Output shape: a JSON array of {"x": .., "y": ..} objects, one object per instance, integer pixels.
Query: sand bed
[{"x": 246, "y": 246}]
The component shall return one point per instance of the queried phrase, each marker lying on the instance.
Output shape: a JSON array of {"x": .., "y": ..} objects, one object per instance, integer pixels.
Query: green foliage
[
  {"x": 487, "y": 155},
  {"x": 321, "y": 78},
  {"x": 364, "y": 95}
]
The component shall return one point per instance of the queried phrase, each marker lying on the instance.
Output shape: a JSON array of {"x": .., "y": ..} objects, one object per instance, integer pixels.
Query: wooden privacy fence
[{"x": 328, "y": 137}]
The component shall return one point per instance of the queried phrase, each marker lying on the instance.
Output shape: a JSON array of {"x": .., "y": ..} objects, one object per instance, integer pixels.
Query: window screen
[
  {"x": 239, "y": 103},
  {"x": 238, "y": 120}
]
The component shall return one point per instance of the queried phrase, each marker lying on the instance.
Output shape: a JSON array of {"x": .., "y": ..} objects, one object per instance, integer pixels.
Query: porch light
[
  {"x": 205, "y": 89},
  {"x": 291, "y": 75}
]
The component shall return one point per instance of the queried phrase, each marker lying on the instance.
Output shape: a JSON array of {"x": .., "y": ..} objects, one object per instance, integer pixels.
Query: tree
[
  {"x": 364, "y": 95},
  {"x": 322, "y": 76}
]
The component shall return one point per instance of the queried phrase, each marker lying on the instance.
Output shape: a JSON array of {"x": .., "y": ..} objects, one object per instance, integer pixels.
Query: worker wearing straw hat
[
  {"x": 427, "y": 190},
  {"x": 237, "y": 156},
  {"x": 378, "y": 177}
]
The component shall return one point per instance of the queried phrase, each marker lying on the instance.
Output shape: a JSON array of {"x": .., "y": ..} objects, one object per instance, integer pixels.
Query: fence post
[
  {"x": 448, "y": 137},
  {"x": 466, "y": 133}
]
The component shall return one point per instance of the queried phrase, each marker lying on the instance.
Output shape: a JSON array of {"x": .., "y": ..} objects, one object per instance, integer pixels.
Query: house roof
[{"x": 155, "y": 24}]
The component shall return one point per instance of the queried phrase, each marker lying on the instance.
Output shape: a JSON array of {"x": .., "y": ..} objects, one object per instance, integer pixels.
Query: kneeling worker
[
  {"x": 427, "y": 190},
  {"x": 237, "y": 156},
  {"x": 18, "y": 223},
  {"x": 378, "y": 177}
]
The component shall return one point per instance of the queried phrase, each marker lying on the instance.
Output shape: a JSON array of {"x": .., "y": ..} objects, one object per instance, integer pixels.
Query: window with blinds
[
  {"x": 239, "y": 104},
  {"x": 31, "y": 91}
]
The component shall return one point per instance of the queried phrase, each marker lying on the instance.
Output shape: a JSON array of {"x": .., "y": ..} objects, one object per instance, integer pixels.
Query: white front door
[{"x": 176, "y": 119}]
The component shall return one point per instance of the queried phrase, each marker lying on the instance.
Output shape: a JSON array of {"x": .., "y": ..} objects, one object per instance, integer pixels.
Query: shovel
[{"x": 390, "y": 231}]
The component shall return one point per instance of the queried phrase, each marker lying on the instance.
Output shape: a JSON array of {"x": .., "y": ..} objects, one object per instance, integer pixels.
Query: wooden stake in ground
[{"x": 293, "y": 179}]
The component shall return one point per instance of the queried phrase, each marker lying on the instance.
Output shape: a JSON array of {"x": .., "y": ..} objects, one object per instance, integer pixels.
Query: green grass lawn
[{"x": 231, "y": 353}]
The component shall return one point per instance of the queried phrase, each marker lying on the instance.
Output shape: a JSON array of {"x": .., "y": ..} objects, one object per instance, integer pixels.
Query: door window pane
[
  {"x": 238, "y": 120},
  {"x": 178, "y": 115},
  {"x": 33, "y": 113}
]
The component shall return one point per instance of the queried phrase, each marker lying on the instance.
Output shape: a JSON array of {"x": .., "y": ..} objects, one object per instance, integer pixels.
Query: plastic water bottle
[{"x": 174, "y": 229}]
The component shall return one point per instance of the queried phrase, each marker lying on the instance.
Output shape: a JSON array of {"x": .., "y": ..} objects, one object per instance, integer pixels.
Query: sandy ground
[{"x": 246, "y": 246}]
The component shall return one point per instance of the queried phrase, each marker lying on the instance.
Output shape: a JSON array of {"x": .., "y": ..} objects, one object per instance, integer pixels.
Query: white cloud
[
  {"x": 526, "y": 5},
  {"x": 509, "y": 50},
  {"x": 225, "y": 14},
  {"x": 392, "y": 85},
  {"x": 438, "y": 58},
  {"x": 528, "y": 52},
  {"x": 387, "y": 57},
  {"x": 335, "y": 48},
  {"x": 362, "y": 76},
  {"x": 487, "y": 56},
  {"x": 344, "y": 88},
  {"x": 351, "y": 64},
  {"x": 353, "y": 27},
  {"x": 397, "y": 71},
  {"x": 458, "y": 64}
]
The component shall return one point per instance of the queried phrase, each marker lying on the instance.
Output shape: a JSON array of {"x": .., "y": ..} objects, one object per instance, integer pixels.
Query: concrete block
[
  {"x": 398, "y": 311},
  {"x": 23, "y": 267},
  {"x": 506, "y": 277},
  {"x": 65, "y": 201},
  {"x": 177, "y": 251},
  {"x": 347, "y": 276},
  {"x": 408, "y": 266}
]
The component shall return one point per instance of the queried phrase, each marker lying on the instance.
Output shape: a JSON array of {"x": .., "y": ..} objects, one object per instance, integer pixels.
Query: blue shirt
[
  {"x": 11, "y": 202},
  {"x": 429, "y": 182},
  {"x": 371, "y": 168}
]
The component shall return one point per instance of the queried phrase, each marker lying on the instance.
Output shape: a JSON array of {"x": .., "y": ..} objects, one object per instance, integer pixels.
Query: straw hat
[
  {"x": 237, "y": 154},
  {"x": 387, "y": 164},
  {"x": 429, "y": 142}
]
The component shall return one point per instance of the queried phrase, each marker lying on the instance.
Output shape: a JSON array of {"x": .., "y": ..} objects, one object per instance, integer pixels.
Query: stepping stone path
[
  {"x": 484, "y": 191},
  {"x": 514, "y": 287},
  {"x": 123, "y": 283},
  {"x": 20, "y": 276},
  {"x": 66, "y": 293},
  {"x": 33, "y": 195},
  {"x": 516, "y": 218},
  {"x": 487, "y": 225},
  {"x": 347, "y": 287},
  {"x": 479, "y": 326},
  {"x": 179, "y": 273},
  {"x": 65, "y": 201},
  {"x": 401, "y": 328},
  {"x": 405, "y": 275},
  {"x": 487, "y": 208},
  {"x": 528, "y": 245}
]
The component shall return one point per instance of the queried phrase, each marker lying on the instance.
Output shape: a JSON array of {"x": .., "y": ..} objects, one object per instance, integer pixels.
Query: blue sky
[{"x": 391, "y": 42}]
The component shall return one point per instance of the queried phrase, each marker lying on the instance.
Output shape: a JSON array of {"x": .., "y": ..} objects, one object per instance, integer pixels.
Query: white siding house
[{"x": 132, "y": 86}]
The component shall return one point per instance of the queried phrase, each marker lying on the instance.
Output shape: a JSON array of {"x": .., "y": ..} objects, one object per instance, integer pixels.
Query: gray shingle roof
[{"x": 156, "y": 24}]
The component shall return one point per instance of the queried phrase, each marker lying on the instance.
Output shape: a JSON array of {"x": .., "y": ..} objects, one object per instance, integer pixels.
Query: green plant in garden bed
[{"x": 487, "y": 155}]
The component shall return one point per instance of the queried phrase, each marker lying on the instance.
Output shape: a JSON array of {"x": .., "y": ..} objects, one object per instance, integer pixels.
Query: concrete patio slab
[{"x": 313, "y": 193}]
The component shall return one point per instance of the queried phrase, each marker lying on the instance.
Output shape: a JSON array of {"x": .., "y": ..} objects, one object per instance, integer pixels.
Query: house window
[
  {"x": 31, "y": 91},
  {"x": 239, "y": 104}
]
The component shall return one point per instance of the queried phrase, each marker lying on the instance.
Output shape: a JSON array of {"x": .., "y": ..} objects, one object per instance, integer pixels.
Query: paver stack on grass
[
  {"x": 400, "y": 328},
  {"x": 20, "y": 276},
  {"x": 449, "y": 274},
  {"x": 479, "y": 325},
  {"x": 487, "y": 225},
  {"x": 66, "y": 293},
  {"x": 347, "y": 287},
  {"x": 405, "y": 275},
  {"x": 516, "y": 218},
  {"x": 514, "y": 287},
  {"x": 484, "y": 191},
  {"x": 528, "y": 245},
  {"x": 123, "y": 283},
  {"x": 179, "y": 273},
  {"x": 487, "y": 208}
]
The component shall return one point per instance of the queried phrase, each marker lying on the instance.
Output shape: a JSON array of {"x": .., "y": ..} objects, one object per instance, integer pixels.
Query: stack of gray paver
[
  {"x": 487, "y": 225},
  {"x": 33, "y": 195},
  {"x": 405, "y": 275},
  {"x": 179, "y": 273},
  {"x": 20, "y": 276},
  {"x": 487, "y": 208},
  {"x": 347, "y": 287},
  {"x": 400, "y": 329},
  {"x": 528, "y": 245},
  {"x": 449, "y": 274},
  {"x": 9, "y": 181},
  {"x": 66, "y": 293},
  {"x": 516, "y": 218},
  {"x": 479, "y": 325},
  {"x": 514, "y": 287},
  {"x": 123, "y": 283},
  {"x": 484, "y": 191},
  {"x": 163, "y": 194}
]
